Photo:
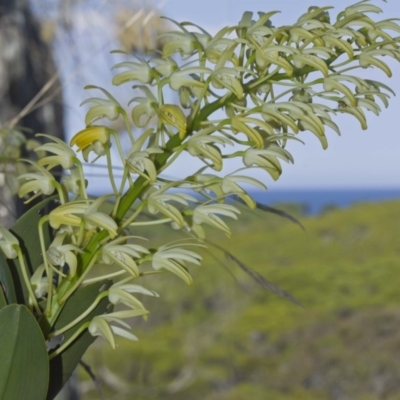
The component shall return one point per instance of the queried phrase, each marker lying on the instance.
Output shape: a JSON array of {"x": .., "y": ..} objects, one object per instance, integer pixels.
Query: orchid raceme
[{"x": 242, "y": 96}]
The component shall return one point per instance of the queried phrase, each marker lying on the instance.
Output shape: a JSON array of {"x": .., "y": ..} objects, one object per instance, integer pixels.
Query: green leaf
[
  {"x": 24, "y": 367},
  {"x": 26, "y": 230},
  {"x": 3, "y": 301},
  {"x": 62, "y": 366},
  {"x": 6, "y": 281}
]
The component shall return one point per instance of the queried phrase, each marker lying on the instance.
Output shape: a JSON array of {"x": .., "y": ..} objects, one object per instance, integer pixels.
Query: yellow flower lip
[
  {"x": 172, "y": 115},
  {"x": 89, "y": 135}
]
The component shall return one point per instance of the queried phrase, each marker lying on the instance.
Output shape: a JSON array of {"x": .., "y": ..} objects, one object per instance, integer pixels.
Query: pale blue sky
[{"x": 354, "y": 160}]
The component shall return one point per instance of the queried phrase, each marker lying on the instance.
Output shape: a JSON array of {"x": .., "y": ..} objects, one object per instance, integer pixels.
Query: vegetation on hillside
[{"x": 226, "y": 338}]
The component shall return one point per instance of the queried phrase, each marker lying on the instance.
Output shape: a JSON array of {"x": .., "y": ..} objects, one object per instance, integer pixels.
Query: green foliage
[
  {"x": 223, "y": 337},
  {"x": 24, "y": 354}
]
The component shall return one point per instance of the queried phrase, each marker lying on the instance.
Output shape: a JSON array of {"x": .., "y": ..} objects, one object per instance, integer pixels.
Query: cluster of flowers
[{"x": 270, "y": 82}]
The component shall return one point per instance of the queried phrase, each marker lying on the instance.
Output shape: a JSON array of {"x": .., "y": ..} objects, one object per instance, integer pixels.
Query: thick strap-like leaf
[
  {"x": 26, "y": 230},
  {"x": 3, "y": 301},
  {"x": 62, "y": 366},
  {"x": 24, "y": 367},
  {"x": 6, "y": 281}
]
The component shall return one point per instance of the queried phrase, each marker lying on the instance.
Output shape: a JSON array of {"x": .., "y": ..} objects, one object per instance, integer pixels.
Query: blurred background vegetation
[{"x": 227, "y": 338}]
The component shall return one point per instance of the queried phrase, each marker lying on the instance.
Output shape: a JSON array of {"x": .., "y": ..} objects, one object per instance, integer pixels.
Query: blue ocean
[{"x": 315, "y": 201}]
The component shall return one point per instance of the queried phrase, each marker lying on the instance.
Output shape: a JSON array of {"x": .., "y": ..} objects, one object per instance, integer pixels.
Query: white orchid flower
[
  {"x": 72, "y": 182},
  {"x": 41, "y": 182},
  {"x": 137, "y": 71},
  {"x": 64, "y": 155},
  {"x": 202, "y": 144},
  {"x": 147, "y": 107},
  {"x": 139, "y": 161},
  {"x": 227, "y": 78},
  {"x": 173, "y": 259},
  {"x": 179, "y": 78},
  {"x": 60, "y": 254},
  {"x": 101, "y": 325},
  {"x": 181, "y": 42},
  {"x": 172, "y": 115},
  {"x": 74, "y": 212},
  {"x": 8, "y": 243},
  {"x": 165, "y": 66},
  {"x": 268, "y": 159},
  {"x": 229, "y": 186},
  {"x": 123, "y": 255},
  {"x": 102, "y": 108},
  {"x": 40, "y": 283},
  {"x": 158, "y": 201},
  {"x": 207, "y": 214}
]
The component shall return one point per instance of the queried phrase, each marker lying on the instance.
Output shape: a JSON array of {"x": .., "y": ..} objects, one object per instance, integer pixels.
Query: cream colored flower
[
  {"x": 8, "y": 243},
  {"x": 91, "y": 135},
  {"x": 137, "y": 71},
  {"x": 101, "y": 325},
  {"x": 172, "y": 115},
  {"x": 207, "y": 214},
  {"x": 74, "y": 212},
  {"x": 101, "y": 108},
  {"x": 123, "y": 255},
  {"x": 172, "y": 258},
  {"x": 41, "y": 182},
  {"x": 63, "y": 154}
]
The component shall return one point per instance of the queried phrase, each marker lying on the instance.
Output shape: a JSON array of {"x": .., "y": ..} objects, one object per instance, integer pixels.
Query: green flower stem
[
  {"x": 175, "y": 155},
  {"x": 103, "y": 277},
  {"x": 241, "y": 55},
  {"x": 160, "y": 90},
  {"x": 263, "y": 79},
  {"x": 347, "y": 69},
  {"x": 126, "y": 175},
  {"x": 130, "y": 196},
  {"x": 150, "y": 273},
  {"x": 81, "y": 233},
  {"x": 28, "y": 285},
  {"x": 199, "y": 100},
  {"x": 60, "y": 192},
  {"x": 160, "y": 221},
  {"x": 65, "y": 293},
  {"x": 239, "y": 153},
  {"x": 82, "y": 179},
  {"x": 49, "y": 274},
  {"x": 109, "y": 167},
  {"x": 273, "y": 99},
  {"x": 119, "y": 147},
  {"x": 343, "y": 63},
  {"x": 58, "y": 351},
  {"x": 134, "y": 215},
  {"x": 127, "y": 124},
  {"x": 81, "y": 317}
]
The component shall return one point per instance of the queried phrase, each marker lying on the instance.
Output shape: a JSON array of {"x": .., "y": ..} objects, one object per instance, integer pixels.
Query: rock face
[{"x": 26, "y": 65}]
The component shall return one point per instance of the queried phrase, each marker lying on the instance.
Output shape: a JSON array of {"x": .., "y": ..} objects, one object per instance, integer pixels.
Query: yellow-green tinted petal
[
  {"x": 88, "y": 136},
  {"x": 173, "y": 115}
]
